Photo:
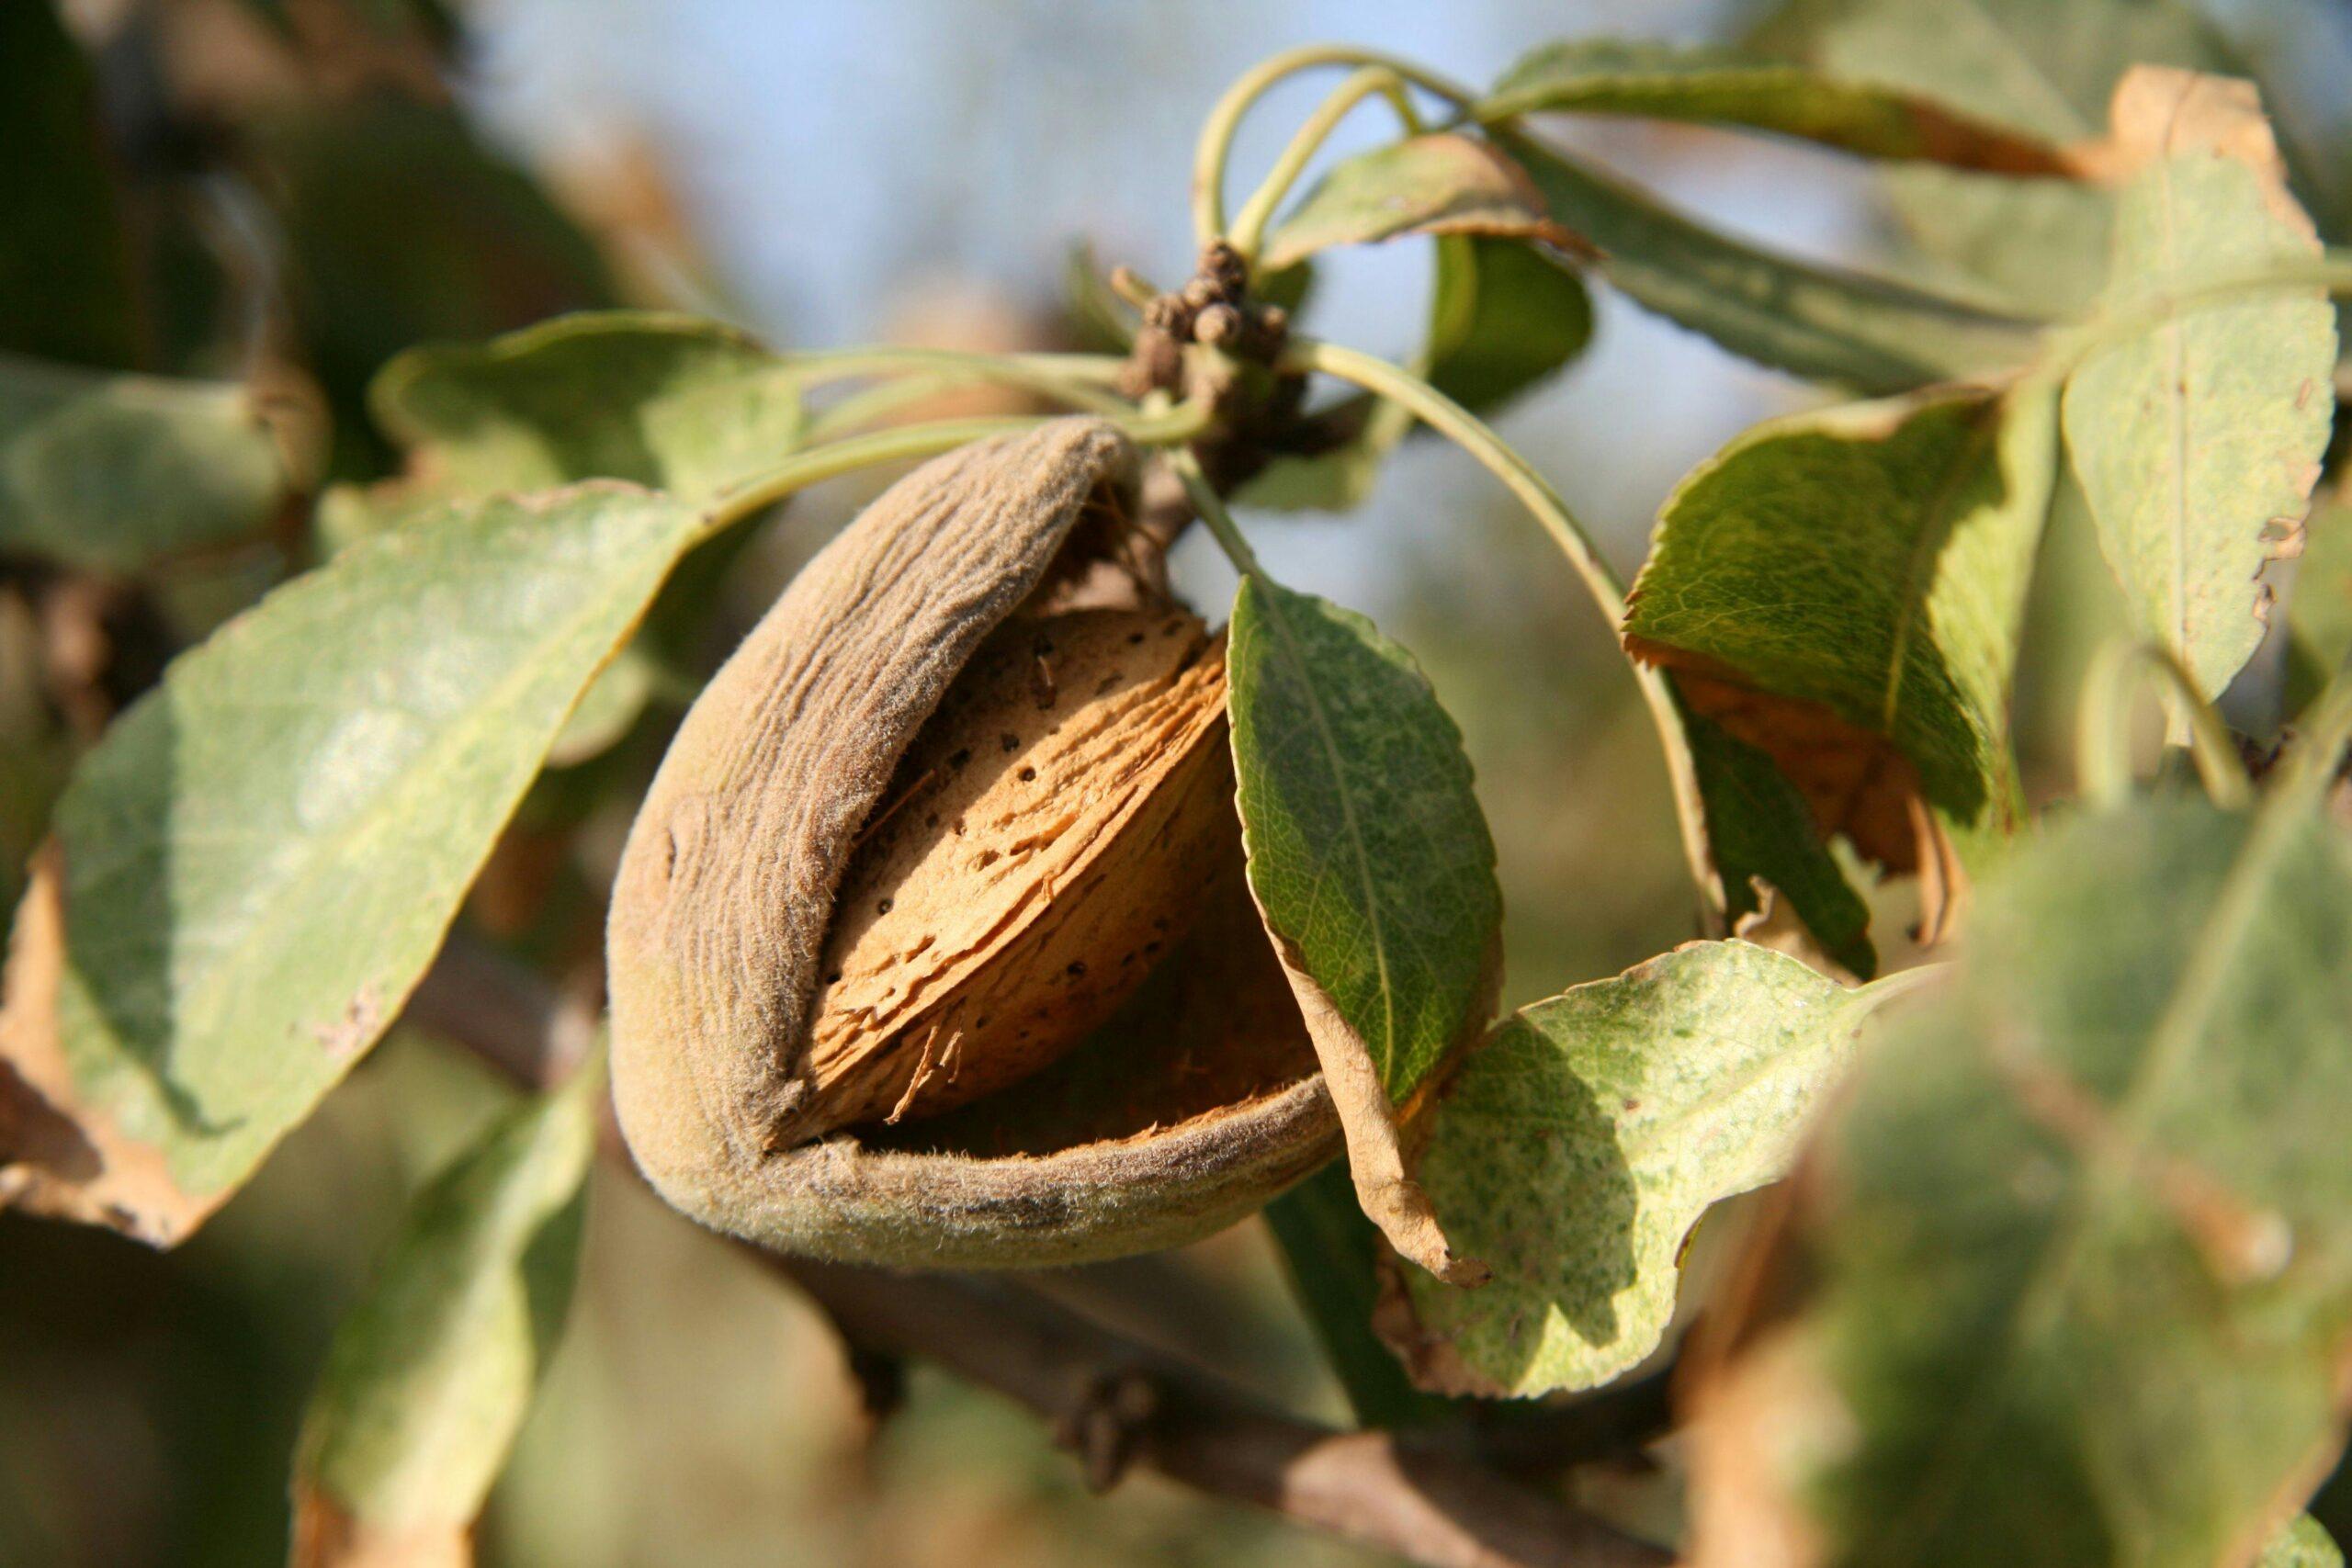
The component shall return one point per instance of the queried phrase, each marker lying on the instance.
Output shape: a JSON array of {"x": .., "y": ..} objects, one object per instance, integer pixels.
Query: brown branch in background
[{"x": 1112, "y": 1400}]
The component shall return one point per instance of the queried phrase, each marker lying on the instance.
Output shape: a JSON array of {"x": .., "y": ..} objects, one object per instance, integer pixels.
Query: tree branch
[{"x": 1112, "y": 1400}]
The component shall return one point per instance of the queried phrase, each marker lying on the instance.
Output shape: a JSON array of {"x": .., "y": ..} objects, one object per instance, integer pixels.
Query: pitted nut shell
[{"x": 1195, "y": 1103}]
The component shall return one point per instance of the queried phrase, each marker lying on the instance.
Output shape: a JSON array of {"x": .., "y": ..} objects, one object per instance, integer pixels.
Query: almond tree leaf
[
  {"x": 673, "y": 402},
  {"x": 2302, "y": 1544},
  {"x": 1371, "y": 863},
  {"x": 2198, "y": 441},
  {"x": 1579, "y": 1146},
  {"x": 1820, "y": 322},
  {"x": 2069, "y": 1276},
  {"x": 1720, "y": 87},
  {"x": 1504, "y": 317},
  {"x": 250, "y": 873},
  {"x": 2318, "y": 609},
  {"x": 106, "y": 471},
  {"x": 2047, "y": 71},
  {"x": 1842, "y": 583},
  {"x": 1762, "y": 833},
  {"x": 433, "y": 1370},
  {"x": 669, "y": 401},
  {"x": 65, "y": 279},
  {"x": 1440, "y": 184}
]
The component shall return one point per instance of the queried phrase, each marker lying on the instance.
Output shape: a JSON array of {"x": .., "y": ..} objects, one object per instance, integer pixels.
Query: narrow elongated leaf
[
  {"x": 65, "y": 279},
  {"x": 2198, "y": 441},
  {"x": 1816, "y": 321},
  {"x": 1332, "y": 1252},
  {"x": 2072, "y": 1280},
  {"x": 250, "y": 873},
  {"x": 109, "y": 471},
  {"x": 2046, "y": 70},
  {"x": 1844, "y": 581},
  {"x": 1371, "y": 862},
  {"x": 1440, "y": 184},
  {"x": 1720, "y": 87},
  {"x": 1581, "y": 1142},
  {"x": 432, "y": 1371}
]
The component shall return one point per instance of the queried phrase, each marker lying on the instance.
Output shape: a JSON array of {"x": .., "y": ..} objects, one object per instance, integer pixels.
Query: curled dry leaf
[{"x": 929, "y": 945}]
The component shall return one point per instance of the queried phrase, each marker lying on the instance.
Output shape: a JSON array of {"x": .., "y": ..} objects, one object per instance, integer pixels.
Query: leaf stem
[
  {"x": 1180, "y": 422},
  {"x": 1215, "y": 146},
  {"x": 2103, "y": 734},
  {"x": 1073, "y": 379},
  {"x": 1250, "y": 224},
  {"x": 1213, "y": 516},
  {"x": 1473, "y": 435}
]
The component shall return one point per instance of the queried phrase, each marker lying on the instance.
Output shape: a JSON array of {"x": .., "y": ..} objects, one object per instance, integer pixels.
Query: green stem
[
  {"x": 1250, "y": 224},
  {"x": 1449, "y": 419},
  {"x": 1072, "y": 378},
  {"x": 2103, "y": 734},
  {"x": 1215, "y": 147},
  {"x": 1179, "y": 423},
  {"x": 1211, "y": 507}
]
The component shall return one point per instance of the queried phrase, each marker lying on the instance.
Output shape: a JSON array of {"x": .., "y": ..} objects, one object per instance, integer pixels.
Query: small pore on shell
[{"x": 1058, "y": 829}]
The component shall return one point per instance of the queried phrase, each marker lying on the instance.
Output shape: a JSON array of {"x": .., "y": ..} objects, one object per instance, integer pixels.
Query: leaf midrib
[{"x": 1355, "y": 844}]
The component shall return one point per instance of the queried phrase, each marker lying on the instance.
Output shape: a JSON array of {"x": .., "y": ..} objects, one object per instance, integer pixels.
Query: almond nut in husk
[{"x": 931, "y": 944}]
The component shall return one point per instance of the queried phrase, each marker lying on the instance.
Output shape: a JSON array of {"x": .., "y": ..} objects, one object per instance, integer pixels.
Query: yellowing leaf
[
  {"x": 1578, "y": 1146},
  {"x": 1665, "y": 81},
  {"x": 432, "y": 1371},
  {"x": 2198, "y": 439},
  {"x": 251, "y": 871},
  {"x": 2070, "y": 1277}
]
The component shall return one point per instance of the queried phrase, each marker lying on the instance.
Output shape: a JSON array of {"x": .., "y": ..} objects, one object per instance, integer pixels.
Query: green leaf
[
  {"x": 2302, "y": 1544},
  {"x": 107, "y": 472},
  {"x": 1816, "y": 321},
  {"x": 671, "y": 403},
  {"x": 432, "y": 1371},
  {"x": 1504, "y": 316},
  {"x": 1720, "y": 87},
  {"x": 252, "y": 869},
  {"x": 2318, "y": 609},
  {"x": 1576, "y": 1148},
  {"x": 1372, "y": 865},
  {"x": 66, "y": 278},
  {"x": 2073, "y": 1280},
  {"x": 2198, "y": 439},
  {"x": 1869, "y": 563},
  {"x": 2045, "y": 69},
  {"x": 1760, "y": 830},
  {"x": 1440, "y": 184},
  {"x": 1332, "y": 1254}
]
